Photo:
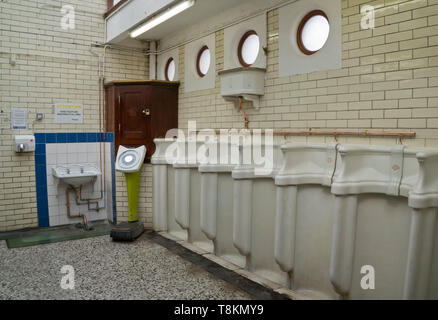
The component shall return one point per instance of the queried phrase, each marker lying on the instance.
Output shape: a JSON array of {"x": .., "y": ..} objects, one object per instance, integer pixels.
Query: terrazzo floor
[{"x": 106, "y": 270}]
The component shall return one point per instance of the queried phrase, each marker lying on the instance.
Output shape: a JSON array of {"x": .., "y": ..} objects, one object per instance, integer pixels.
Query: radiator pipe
[
  {"x": 102, "y": 134},
  {"x": 245, "y": 117},
  {"x": 324, "y": 132},
  {"x": 79, "y": 215}
]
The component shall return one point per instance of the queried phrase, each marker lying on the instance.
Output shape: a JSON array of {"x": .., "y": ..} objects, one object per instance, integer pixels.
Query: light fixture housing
[{"x": 161, "y": 17}]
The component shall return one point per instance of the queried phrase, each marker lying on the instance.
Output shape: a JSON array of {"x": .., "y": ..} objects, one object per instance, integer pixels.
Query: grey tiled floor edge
[
  {"x": 255, "y": 290},
  {"x": 104, "y": 269},
  {"x": 152, "y": 267}
]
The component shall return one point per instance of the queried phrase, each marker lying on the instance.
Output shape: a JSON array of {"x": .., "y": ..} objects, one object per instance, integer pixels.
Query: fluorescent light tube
[{"x": 155, "y": 21}]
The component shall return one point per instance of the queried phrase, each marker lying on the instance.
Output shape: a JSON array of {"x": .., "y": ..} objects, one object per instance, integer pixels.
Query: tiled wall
[
  {"x": 54, "y": 149},
  {"x": 51, "y": 65},
  {"x": 388, "y": 80}
]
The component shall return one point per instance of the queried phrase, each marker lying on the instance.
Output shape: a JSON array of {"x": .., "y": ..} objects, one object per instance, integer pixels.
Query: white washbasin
[{"x": 76, "y": 175}]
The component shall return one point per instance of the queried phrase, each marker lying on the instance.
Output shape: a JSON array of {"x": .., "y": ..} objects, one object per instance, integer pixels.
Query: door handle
[{"x": 146, "y": 112}]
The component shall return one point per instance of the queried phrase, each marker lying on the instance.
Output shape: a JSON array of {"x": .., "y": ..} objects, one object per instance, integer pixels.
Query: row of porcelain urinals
[{"x": 316, "y": 222}]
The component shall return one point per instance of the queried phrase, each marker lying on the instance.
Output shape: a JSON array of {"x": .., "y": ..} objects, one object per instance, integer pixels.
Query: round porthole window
[
  {"x": 248, "y": 48},
  {"x": 313, "y": 32},
  {"x": 169, "y": 71},
  {"x": 203, "y": 61}
]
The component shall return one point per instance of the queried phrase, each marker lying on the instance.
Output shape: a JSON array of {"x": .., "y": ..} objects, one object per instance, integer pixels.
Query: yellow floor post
[{"x": 133, "y": 186}]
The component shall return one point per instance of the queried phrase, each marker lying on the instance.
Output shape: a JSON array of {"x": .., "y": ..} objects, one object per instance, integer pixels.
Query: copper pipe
[
  {"x": 323, "y": 132},
  {"x": 104, "y": 135},
  {"x": 101, "y": 117},
  {"x": 100, "y": 134},
  {"x": 89, "y": 199},
  {"x": 245, "y": 117},
  {"x": 79, "y": 215},
  {"x": 100, "y": 130}
]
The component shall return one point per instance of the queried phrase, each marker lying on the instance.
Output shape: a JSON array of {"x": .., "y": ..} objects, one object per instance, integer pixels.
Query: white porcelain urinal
[
  {"x": 325, "y": 218},
  {"x": 376, "y": 225},
  {"x": 188, "y": 193},
  {"x": 304, "y": 217},
  {"x": 254, "y": 211},
  {"x": 421, "y": 277},
  {"x": 217, "y": 200},
  {"x": 164, "y": 188}
]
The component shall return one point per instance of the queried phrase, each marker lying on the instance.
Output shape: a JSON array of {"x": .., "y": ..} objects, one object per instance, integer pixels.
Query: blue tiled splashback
[
  {"x": 73, "y": 137},
  {"x": 41, "y": 139}
]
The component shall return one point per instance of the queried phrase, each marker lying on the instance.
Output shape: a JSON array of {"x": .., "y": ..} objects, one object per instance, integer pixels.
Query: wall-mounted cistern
[{"x": 75, "y": 176}]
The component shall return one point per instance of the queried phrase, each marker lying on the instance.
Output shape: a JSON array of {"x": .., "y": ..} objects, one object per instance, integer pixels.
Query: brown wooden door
[
  {"x": 164, "y": 111},
  {"x": 137, "y": 112},
  {"x": 135, "y": 126}
]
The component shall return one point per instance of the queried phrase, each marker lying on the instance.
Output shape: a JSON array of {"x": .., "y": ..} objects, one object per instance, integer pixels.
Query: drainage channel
[{"x": 255, "y": 290}]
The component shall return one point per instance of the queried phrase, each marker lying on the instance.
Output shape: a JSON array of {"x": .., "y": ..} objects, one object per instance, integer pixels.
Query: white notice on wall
[
  {"x": 19, "y": 119},
  {"x": 68, "y": 113}
]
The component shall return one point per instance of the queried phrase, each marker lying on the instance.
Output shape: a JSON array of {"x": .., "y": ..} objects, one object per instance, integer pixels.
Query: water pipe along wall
[{"x": 311, "y": 225}]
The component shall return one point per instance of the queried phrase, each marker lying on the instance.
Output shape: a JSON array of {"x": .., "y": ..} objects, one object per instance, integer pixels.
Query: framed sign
[
  {"x": 68, "y": 113},
  {"x": 19, "y": 119}
]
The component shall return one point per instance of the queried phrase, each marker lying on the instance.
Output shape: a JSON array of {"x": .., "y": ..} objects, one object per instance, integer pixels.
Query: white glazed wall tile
[
  {"x": 61, "y": 193},
  {"x": 81, "y": 153},
  {"x": 53, "y": 211},
  {"x": 82, "y": 148},
  {"x": 50, "y": 149},
  {"x": 51, "y": 190},
  {"x": 92, "y": 157},
  {"x": 61, "y": 148},
  {"x": 53, "y": 220},
  {"x": 72, "y": 148},
  {"x": 82, "y": 157},
  {"x": 51, "y": 158},
  {"x": 284, "y": 105},
  {"x": 72, "y": 158},
  {"x": 62, "y": 209},
  {"x": 55, "y": 70},
  {"x": 50, "y": 180},
  {"x": 61, "y": 158},
  {"x": 91, "y": 147},
  {"x": 52, "y": 200}
]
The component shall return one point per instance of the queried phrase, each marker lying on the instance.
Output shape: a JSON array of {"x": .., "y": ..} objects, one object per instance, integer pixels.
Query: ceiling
[
  {"x": 203, "y": 16},
  {"x": 202, "y": 9}
]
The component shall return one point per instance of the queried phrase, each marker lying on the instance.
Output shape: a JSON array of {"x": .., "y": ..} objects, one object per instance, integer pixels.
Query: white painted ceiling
[
  {"x": 203, "y": 16},
  {"x": 203, "y": 9}
]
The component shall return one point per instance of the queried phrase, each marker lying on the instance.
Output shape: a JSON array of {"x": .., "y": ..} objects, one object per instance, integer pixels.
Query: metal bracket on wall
[{"x": 255, "y": 99}]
